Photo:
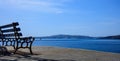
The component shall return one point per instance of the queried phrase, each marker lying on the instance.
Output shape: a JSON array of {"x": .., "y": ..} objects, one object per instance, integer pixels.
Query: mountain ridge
[
  {"x": 110, "y": 37},
  {"x": 64, "y": 36}
]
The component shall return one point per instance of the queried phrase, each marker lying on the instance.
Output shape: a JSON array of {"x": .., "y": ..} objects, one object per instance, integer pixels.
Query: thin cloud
[{"x": 38, "y": 5}]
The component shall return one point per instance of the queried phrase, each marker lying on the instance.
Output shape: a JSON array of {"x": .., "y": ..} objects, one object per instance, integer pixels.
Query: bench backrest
[{"x": 10, "y": 31}]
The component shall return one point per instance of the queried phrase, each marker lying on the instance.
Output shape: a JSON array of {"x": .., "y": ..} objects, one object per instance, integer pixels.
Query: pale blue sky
[{"x": 74, "y": 17}]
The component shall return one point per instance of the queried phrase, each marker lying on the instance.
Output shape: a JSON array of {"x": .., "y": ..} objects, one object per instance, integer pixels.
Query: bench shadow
[
  {"x": 22, "y": 55},
  {"x": 4, "y": 51}
]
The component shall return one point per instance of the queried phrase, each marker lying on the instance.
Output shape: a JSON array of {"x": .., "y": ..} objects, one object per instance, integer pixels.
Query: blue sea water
[{"x": 105, "y": 45}]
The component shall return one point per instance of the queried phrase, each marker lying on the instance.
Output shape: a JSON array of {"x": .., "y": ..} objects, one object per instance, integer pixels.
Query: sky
[{"x": 73, "y": 17}]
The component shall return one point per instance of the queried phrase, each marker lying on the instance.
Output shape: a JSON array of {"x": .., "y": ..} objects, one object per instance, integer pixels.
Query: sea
[{"x": 104, "y": 45}]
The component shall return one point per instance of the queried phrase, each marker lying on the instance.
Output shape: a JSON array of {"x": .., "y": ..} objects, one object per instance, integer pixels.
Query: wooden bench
[{"x": 10, "y": 35}]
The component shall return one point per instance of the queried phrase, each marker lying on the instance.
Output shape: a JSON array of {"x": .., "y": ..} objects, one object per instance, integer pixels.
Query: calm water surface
[{"x": 91, "y": 44}]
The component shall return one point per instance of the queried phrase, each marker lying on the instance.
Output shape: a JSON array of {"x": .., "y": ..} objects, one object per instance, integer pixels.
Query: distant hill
[
  {"x": 62, "y": 36},
  {"x": 111, "y": 37},
  {"x": 68, "y": 37}
]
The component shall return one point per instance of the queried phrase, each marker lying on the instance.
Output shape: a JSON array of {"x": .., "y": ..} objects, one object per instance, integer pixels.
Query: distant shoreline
[{"x": 77, "y": 37}]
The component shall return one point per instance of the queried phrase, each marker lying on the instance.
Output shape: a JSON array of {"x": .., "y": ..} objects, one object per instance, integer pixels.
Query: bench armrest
[{"x": 25, "y": 42}]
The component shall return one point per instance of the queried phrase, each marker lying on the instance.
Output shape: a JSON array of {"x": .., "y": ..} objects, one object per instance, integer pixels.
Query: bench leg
[
  {"x": 30, "y": 50},
  {"x": 15, "y": 50},
  {"x": 13, "y": 47}
]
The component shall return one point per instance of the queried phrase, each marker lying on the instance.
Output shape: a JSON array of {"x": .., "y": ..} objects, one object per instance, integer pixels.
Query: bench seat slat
[{"x": 10, "y": 30}]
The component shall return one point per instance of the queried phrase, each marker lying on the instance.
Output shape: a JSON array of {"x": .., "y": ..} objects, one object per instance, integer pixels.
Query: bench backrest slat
[
  {"x": 10, "y": 25},
  {"x": 10, "y": 31},
  {"x": 12, "y": 34}
]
